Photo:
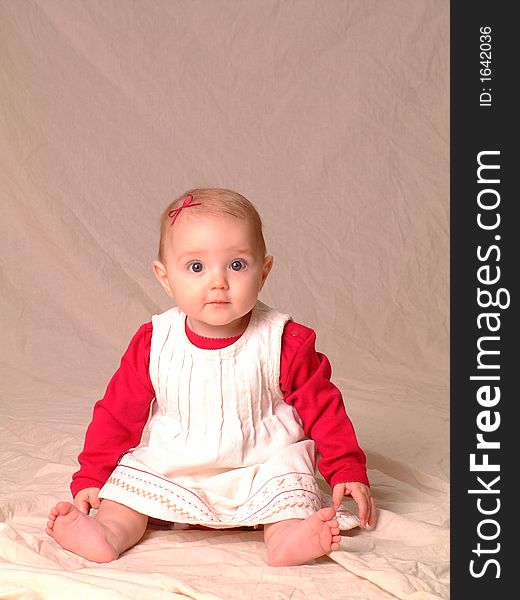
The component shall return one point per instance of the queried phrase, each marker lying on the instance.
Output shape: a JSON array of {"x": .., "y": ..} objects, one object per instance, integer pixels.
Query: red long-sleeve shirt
[{"x": 120, "y": 416}]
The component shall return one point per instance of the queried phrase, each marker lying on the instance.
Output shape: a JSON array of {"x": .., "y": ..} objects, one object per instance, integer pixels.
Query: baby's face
[{"x": 214, "y": 270}]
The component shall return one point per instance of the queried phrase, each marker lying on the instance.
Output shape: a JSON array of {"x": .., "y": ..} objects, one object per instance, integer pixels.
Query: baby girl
[{"x": 239, "y": 406}]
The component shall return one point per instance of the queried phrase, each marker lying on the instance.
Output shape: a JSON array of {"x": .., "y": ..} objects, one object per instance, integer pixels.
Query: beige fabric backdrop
[{"x": 332, "y": 117}]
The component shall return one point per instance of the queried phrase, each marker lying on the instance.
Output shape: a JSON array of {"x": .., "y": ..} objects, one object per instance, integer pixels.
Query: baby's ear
[
  {"x": 159, "y": 271},
  {"x": 266, "y": 269}
]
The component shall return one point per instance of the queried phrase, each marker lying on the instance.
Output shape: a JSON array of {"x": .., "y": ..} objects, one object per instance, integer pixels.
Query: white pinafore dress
[{"x": 224, "y": 449}]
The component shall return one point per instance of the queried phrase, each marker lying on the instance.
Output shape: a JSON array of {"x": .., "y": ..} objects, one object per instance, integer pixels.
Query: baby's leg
[
  {"x": 297, "y": 541},
  {"x": 102, "y": 538}
]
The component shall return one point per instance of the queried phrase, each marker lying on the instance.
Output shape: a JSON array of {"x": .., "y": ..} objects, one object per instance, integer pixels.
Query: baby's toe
[{"x": 327, "y": 513}]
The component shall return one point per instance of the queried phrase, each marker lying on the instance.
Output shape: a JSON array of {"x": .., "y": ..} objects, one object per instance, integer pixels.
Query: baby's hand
[
  {"x": 86, "y": 499},
  {"x": 361, "y": 494}
]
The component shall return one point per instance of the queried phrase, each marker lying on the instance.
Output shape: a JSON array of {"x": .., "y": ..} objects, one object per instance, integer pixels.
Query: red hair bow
[{"x": 188, "y": 202}]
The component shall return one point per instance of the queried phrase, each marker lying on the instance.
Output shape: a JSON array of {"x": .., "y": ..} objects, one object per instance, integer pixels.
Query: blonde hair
[{"x": 215, "y": 201}]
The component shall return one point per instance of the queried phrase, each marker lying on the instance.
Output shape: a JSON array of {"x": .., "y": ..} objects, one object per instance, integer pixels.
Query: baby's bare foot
[
  {"x": 301, "y": 541},
  {"x": 80, "y": 533}
]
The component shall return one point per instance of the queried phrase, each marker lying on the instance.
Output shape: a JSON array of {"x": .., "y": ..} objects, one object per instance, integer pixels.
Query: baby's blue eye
[
  {"x": 196, "y": 267},
  {"x": 238, "y": 265}
]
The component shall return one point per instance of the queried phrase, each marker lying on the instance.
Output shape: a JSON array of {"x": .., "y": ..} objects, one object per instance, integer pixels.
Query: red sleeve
[
  {"x": 119, "y": 417},
  {"x": 305, "y": 382}
]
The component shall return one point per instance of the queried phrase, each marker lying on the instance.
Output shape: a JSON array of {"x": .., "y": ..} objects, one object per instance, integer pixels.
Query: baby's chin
[{"x": 219, "y": 324}]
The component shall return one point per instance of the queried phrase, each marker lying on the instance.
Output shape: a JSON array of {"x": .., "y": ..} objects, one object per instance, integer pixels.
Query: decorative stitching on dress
[
  {"x": 113, "y": 480},
  {"x": 306, "y": 498},
  {"x": 180, "y": 511},
  {"x": 149, "y": 495},
  {"x": 298, "y": 474}
]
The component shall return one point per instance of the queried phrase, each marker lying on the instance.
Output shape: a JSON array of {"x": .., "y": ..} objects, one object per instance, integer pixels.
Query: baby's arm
[
  {"x": 86, "y": 499},
  {"x": 119, "y": 417},
  {"x": 361, "y": 495},
  {"x": 319, "y": 403}
]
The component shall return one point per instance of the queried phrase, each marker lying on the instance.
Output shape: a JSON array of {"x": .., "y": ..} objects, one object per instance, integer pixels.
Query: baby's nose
[{"x": 219, "y": 281}]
